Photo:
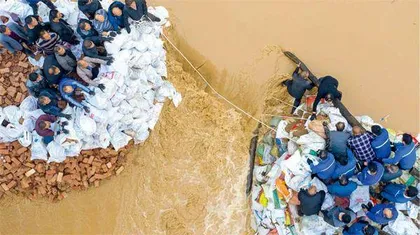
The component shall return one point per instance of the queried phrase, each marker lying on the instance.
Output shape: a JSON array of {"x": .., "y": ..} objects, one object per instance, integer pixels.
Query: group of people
[
  {"x": 63, "y": 78},
  {"x": 351, "y": 160}
]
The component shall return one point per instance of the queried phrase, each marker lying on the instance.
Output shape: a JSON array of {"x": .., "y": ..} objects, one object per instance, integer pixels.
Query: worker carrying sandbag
[{"x": 327, "y": 89}]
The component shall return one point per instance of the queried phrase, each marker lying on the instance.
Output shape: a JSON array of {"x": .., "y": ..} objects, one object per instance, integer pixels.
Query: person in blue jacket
[
  {"x": 399, "y": 193},
  {"x": 14, "y": 38},
  {"x": 360, "y": 228},
  {"x": 67, "y": 89},
  {"x": 48, "y": 102},
  {"x": 381, "y": 213},
  {"x": 405, "y": 154},
  {"x": 325, "y": 168},
  {"x": 381, "y": 144},
  {"x": 115, "y": 15},
  {"x": 346, "y": 165},
  {"x": 371, "y": 174},
  {"x": 34, "y": 5},
  {"x": 338, "y": 216},
  {"x": 391, "y": 172},
  {"x": 342, "y": 188}
]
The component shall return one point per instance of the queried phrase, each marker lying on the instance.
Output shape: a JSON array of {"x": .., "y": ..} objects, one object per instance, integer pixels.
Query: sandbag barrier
[{"x": 122, "y": 115}]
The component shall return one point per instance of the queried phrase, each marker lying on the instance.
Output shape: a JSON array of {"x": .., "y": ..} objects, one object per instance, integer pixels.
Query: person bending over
[
  {"x": 381, "y": 213},
  {"x": 371, "y": 174},
  {"x": 310, "y": 201},
  {"x": 336, "y": 142},
  {"x": 327, "y": 89},
  {"x": 342, "y": 188},
  {"x": 399, "y": 193},
  {"x": 405, "y": 154},
  {"x": 338, "y": 216},
  {"x": 134, "y": 10},
  {"x": 381, "y": 144},
  {"x": 325, "y": 168},
  {"x": 360, "y": 143},
  {"x": 360, "y": 228}
]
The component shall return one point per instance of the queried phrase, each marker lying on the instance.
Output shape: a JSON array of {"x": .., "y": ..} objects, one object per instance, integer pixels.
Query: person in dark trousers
[
  {"x": 34, "y": 26},
  {"x": 399, "y": 193},
  {"x": 115, "y": 15},
  {"x": 34, "y": 5},
  {"x": 346, "y": 165},
  {"x": 88, "y": 70},
  {"x": 67, "y": 90},
  {"x": 336, "y": 142},
  {"x": 91, "y": 50},
  {"x": 405, "y": 154},
  {"x": 134, "y": 10},
  {"x": 338, "y": 216},
  {"x": 360, "y": 228},
  {"x": 381, "y": 144},
  {"x": 89, "y": 7},
  {"x": 52, "y": 70},
  {"x": 86, "y": 31},
  {"x": 298, "y": 85},
  {"x": 46, "y": 128},
  {"x": 49, "y": 102},
  {"x": 371, "y": 174},
  {"x": 310, "y": 201},
  {"x": 14, "y": 41},
  {"x": 391, "y": 172},
  {"x": 62, "y": 28},
  {"x": 342, "y": 188},
  {"x": 327, "y": 89},
  {"x": 381, "y": 213},
  {"x": 325, "y": 167},
  {"x": 36, "y": 83},
  {"x": 65, "y": 58},
  {"x": 360, "y": 143}
]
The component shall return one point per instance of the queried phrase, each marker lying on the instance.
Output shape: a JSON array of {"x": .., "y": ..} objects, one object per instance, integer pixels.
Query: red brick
[
  {"x": 4, "y": 186},
  {"x": 12, "y": 184},
  {"x": 21, "y": 150},
  {"x": 30, "y": 172}
]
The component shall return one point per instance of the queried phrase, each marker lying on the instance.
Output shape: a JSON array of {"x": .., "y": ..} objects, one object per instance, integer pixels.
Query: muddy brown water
[{"x": 188, "y": 178}]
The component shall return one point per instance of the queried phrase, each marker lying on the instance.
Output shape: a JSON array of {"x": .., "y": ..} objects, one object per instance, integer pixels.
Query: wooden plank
[
  {"x": 252, "y": 150},
  {"x": 337, "y": 103}
]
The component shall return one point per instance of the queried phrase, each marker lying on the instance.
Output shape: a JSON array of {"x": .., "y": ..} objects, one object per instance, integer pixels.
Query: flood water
[{"x": 189, "y": 176}]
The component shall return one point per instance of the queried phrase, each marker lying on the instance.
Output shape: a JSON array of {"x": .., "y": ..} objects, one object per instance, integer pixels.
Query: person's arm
[
  {"x": 73, "y": 101},
  {"x": 144, "y": 6},
  {"x": 95, "y": 60},
  {"x": 331, "y": 188},
  {"x": 388, "y": 196},
  {"x": 49, "y": 4},
  {"x": 316, "y": 102},
  {"x": 81, "y": 86},
  {"x": 327, "y": 134},
  {"x": 10, "y": 44},
  {"x": 126, "y": 23},
  {"x": 393, "y": 160},
  {"x": 322, "y": 192},
  {"x": 85, "y": 78},
  {"x": 295, "y": 73}
]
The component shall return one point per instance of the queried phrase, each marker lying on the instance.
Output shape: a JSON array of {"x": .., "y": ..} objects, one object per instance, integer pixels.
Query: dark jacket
[
  {"x": 325, "y": 168},
  {"x": 405, "y": 156},
  {"x": 33, "y": 34},
  {"x": 388, "y": 175},
  {"x": 134, "y": 14},
  {"x": 51, "y": 108},
  {"x": 92, "y": 34},
  {"x": 48, "y": 63},
  {"x": 10, "y": 44},
  {"x": 331, "y": 216},
  {"x": 17, "y": 29},
  {"x": 35, "y": 88},
  {"x": 366, "y": 179},
  {"x": 337, "y": 142},
  {"x": 342, "y": 190},
  {"x": 376, "y": 214},
  {"x": 311, "y": 205},
  {"x": 347, "y": 169},
  {"x": 327, "y": 85},
  {"x": 357, "y": 229},
  {"x": 116, "y": 21},
  {"x": 67, "y": 61},
  {"x": 396, "y": 193},
  {"x": 63, "y": 29},
  {"x": 298, "y": 85},
  {"x": 93, "y": 53},
  {"x": 89, "y": 9},
  {"x": 69, "y": 96},
  {"x": 47, "y": 132},
  {"x": 381, "y": 145}
]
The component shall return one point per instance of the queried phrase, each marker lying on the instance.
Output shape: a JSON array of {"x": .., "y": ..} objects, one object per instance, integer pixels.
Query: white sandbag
[
  {"x": 315, "y": 225},
  {"x": 56, "y": 152},
  {"x": 403, "y": 225},
  {"x": 87, "y": 124},
  {"x": 296, "y": 164},
  {"x": 99, "y": 100},
  {"x": 38, "y": 149},
  {"x": 329, "y": 200},
  {"x": 28, "y": 104},
  {"x": 154, "y": 115},
  {"x": 117, "y": 99},
  {"x": 311, "y": 141},
  {"x": 119, "y": 140},
  {"x": 26, "y": 139},
  {"x": 13, "y": 113},
  {"x": 11, "y": 132},
  {"x": 358, "y": 197},
  {"x": 37, "y": 63},
  {"x": 366, "y": 121}
]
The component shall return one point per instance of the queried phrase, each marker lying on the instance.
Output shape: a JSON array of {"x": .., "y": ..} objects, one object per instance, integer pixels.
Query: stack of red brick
[{"x": 33, "y": 179}]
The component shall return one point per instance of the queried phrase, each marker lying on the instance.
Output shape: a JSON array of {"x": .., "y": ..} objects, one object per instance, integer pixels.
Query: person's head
[
  {"x": 68, "y": 89},
  {"x": 31, "y": 21},
  {"x": 82, "y": 2},
  {"x": 85, "y": 26},
  {"x": 53, "y": 70},
  {"x": 35, "y": 77},
  {"x": 357, "y": 130},
  {"x": 4, "y": 19},
  {"x": 343, "y": 180},
  {"x": 372, "y": 168},
  {"x": 411, "y": 191},
  {"x": 369, "y": 230},
  {"x": 130, "y": 3},
  {"x": 312, "y": 190},
  {"x": 304, "y": 74},
  {"x": 407, "y": 139},
  {"x": 376, "y": 129},
  {"x": 4, "y": 30},
  {"x": 88, "y": 44},
  {"x": 45, "y": 35},
  {"x": 329, "y": 97},
  {"x": 342, "y": 160},
  {"x": 59, "y": 50},
  {"x": 323, "y": 154},
  {"x": 54, "y": 15},
  {"x": 99, "y": 17},
  {"x": 344, "y": 217},
  {"x": 44, "y": 125},
  {"x": 44, "y": 100},
  {"x": 82, "y": 63},
  {"x": 388, "y": 213},
  {"x": 340, "y": 126},
  {"x": 116, "y": 11}
]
